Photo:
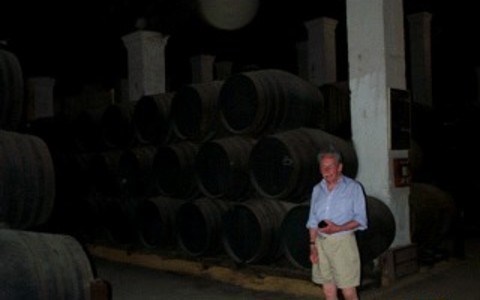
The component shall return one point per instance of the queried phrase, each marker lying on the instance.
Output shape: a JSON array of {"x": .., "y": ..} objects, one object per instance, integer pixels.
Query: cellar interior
[{"x": 195, "y": 142}]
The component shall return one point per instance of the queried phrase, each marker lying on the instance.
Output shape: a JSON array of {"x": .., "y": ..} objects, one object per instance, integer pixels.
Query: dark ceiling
[{"x": 80, "y": 41}]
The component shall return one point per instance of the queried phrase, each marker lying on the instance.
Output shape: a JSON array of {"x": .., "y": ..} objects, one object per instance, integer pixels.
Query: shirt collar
[{"x": 341, "y": 181}]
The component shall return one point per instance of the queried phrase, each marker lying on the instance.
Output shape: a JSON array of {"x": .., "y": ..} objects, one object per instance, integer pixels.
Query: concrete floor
[
  {"x": 447, "y": 280},
  {"x": 130, "y": 282}
]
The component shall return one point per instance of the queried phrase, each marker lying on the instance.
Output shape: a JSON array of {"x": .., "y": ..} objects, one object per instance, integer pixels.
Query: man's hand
[
  {"x": 333, "y": 227},
  {"x": 330, "y": 228}
]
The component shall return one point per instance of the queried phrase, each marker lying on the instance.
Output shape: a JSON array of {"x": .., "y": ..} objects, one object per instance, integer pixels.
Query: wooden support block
[
  {"x": 100, "y": 289},
  {"x": 398, "y": 262}
]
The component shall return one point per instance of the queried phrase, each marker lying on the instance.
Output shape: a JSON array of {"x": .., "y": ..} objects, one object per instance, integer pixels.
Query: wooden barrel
[
  {"x": 433, "y": 212},
  {"x": 195, "y": 111},
  {"x": 27, "y": 179},
  {"x": 372, "y": 242},
  {"x": 135, "y": 168},
  {"x": 11, "y": 91},
  {"x": 266, "y": 101},
  {"x": 251, "y": 232},
  {"x": 151, "y": 119},
  {"x": 295, "y": 236},
  {"x": 222, "y": 168},
  {"x": 119, "y": 219},
  {"x": 104, "y": 172},
  {"x": 117, "y": 125},
  {"x": 380, "y": 233},
  {"x": 285, "y": 166},
  {"x": 199, "y": 225},
  {"x": 174, "y": 170},
  {"x": 156, "y": 221},
  {"x": 43, "y": 266}
]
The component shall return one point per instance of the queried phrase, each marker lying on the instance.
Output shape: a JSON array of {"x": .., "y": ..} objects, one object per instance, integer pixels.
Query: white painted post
[
  {"x": 376, "y": 54},
  {"x": 322, "y": 67},
  {"x": 146, "y": 63}
]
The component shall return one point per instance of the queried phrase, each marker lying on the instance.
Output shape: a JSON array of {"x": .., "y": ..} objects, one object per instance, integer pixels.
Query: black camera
[{"x": 322, "y": 224}]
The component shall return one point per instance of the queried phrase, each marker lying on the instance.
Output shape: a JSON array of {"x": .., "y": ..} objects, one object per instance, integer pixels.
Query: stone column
[
  {"x": 420, "y": 57},
  {"x": 376, "y": 66},
  {"x": 322, "y": 56},
  {"x": 40, "y": 98},
  {"x": 146, "y": 63},
  {"x": 202, "y": 68}
]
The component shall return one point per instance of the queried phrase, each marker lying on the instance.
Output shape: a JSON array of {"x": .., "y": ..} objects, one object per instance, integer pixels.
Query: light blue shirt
[{"x": 346, "y": 202}]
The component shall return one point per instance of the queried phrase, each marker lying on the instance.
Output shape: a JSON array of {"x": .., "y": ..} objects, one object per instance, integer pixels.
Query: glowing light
[{"x": 228, "y": 14}]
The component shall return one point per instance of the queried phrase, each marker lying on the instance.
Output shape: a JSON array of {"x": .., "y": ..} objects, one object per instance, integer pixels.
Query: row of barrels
[
  {"x": 28, "y": 192},
  {"x": 34, "y": 265},
  {"x": 260, "y": 230},
  {"x": 279, "y": 166},
  {"x": 256, "y": 231},
  {"x": 250, "y": 104},
  {"x": 249, "y": 239}
]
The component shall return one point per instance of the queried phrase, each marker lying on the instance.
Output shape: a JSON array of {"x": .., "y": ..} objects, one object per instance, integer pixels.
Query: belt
[{"x": 323, "y": 237}]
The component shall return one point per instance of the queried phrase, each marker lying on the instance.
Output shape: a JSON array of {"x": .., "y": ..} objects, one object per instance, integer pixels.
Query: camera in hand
[{"x": 322, "y": 224}]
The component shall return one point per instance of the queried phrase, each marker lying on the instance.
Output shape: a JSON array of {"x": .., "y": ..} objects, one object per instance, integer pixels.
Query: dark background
[{"x": 79, "y": 42}]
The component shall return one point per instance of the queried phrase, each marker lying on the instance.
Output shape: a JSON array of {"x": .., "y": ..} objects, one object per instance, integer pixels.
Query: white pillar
[
  {"x": 420, "y": 57},
  {"x": 40, "y": 98},
  {"x": 146, "y": 63},
  {"x": 376, "y": 54},
  {"x": 202, "y": 68},
  {"x": 322, "y": 56}
]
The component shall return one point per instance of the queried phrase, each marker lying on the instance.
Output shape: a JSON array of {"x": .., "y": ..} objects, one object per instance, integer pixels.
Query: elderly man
[{"x": 337, "y": 209}]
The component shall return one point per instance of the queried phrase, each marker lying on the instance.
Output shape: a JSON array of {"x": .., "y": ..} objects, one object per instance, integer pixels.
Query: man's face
[{"x": 330, "y": 169}]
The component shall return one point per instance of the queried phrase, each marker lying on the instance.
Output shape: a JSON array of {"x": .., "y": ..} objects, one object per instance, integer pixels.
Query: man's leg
[
  {"x": 350, "y": 293},
  {"x": 330, "y": 291}
]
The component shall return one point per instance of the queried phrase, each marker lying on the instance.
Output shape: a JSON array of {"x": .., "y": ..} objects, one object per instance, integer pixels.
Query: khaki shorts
[{"x": 338, "y": 261}]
